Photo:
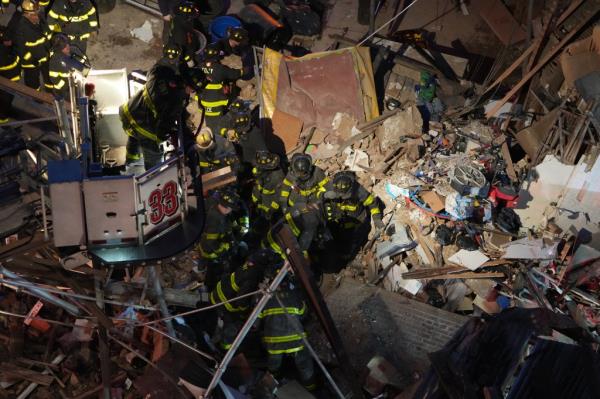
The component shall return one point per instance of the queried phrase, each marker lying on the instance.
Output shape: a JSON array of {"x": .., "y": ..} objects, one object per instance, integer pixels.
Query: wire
[
  {"x": 24, "y": 316},
  {"x": 387, "y": 23}
]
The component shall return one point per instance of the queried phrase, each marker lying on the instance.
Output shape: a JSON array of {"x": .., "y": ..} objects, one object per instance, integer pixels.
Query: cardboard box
[{"x": 435, "y": 201}]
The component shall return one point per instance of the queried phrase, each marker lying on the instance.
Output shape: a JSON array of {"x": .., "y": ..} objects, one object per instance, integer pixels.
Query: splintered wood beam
[{"x": 551, "y": 54}]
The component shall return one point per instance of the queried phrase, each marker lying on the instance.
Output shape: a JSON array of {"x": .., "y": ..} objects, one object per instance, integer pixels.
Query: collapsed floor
[{"x": 446, "y": 256}]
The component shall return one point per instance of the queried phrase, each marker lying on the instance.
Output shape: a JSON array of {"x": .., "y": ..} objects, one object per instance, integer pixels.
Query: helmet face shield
[{"x": 302, "y": 166}]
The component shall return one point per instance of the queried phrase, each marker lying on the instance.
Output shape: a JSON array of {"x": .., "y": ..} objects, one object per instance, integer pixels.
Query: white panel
[
  {"x": 160, "y": 196},
  {"x": 67, "y": 214},
  {"x": 110, "y": 210}
]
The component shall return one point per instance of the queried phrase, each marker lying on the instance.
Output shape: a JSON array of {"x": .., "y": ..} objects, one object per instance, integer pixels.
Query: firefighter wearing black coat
[
  {"x": 9, "y": 69},
  {"x": 235, "y": 42},
  {"x": 217, "y": 243},
  {"x": 214, "y": 152},
  {"x": 215, "y": 94},
  {"x": 308, "y": 225},
  {"x": 77, "y": 19},
  {"x": 268, "y": 178},
  {"x": 150, "y": 116},
  {"x": 283, "y": 332},
  {"x": 349, "y": 209},
  {"x": 243, "y": 280},
  {"x": 30, "y": 39},
  {"x": 181, "y": 29},
  {"x": 59, "y": 65},
  {"x": 304, "y": 183}
]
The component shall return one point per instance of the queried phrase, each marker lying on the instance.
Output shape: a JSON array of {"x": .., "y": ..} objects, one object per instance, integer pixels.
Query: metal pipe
[
  {"x": 246, "y": 327},
  {"x": 162, "y": 304},
  {"x": 44, "y": 218},
  {"x": 72, "y": 309},
  {"x": 29, "y": 121},
  {"x": 144, "y": 8},
  {"x": 313, "y": 353},
  {"x": 62, "y": 119}
]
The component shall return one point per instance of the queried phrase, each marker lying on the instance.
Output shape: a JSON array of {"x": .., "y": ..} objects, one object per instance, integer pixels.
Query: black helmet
[
  {"x": 238, "y": 105},
  {"x": 264, "y": 258},
  {"x": 241, "y": 121},
  {"x": 187, "y": 9},
  {"x": 212, "y": 52},
  {"x": 238, "y": 34},
  {"x": 59, "y": 41},
  {"x": 343, "y": 182},
  {"x": 302, "y": 166},
  {"x": 267, "y": 160},
  {"x": 227, "y": 198},
  {"x": 171, "y": 51}
]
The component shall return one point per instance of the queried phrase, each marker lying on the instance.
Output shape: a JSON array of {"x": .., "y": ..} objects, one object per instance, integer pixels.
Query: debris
[
  {"x": 472, "y": 260},
  {"x": 527, "y": 248},
  {"x": 144, "y": 32},
  {"x": 381, "y": 373}
]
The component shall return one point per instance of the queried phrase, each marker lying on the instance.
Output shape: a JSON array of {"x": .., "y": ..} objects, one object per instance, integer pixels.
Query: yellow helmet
[
  {"x": 30, "y": 6},
  {"x": 205, "y": 138}
]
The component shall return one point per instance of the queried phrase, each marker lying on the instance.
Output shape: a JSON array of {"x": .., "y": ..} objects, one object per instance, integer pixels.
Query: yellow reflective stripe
[
  {"x": 214, "y": 86},
  {"x": 274, "y": 246},
  {"x": 131, "y": 156},
  {"x": 375, "y": 211},
  {"x": 285, "y": 194},
  {"x": 281, "y": 351},
  {"x": 225, "y": 346},
  {"x": 224, "y": 300},
  {"x": 204, "y": 164},
  {"x": 323, "y": 182},
  {"x": 16, "y": 78},
  {"x": 137, "y": 127},
  {"x": 55, "y": 74},
  {"x": 265, "y": 190},
  {"x": 43, "y": 59},
  {"x": 254, "y": 198},
  {"x": 93, "y": 24},
  {"x": 306, "y": 193},
  {"x": 213, "y": 236},
  {"x": 274, "y": 205},
  {"x": 59, "y": 85},
  {"x": 11, "y": 66},
  {"x": 148, "y": 101},
  {"x": 292, "y": 224},
  {"x": 235, "y": 287},
  {"x": 370, "y": 199},
  {"x": 283, "y": 338},
  {"x": 287, "y": 182},
  {"x": 91, "y": 12},
  {"x": 277, "y": 311},
  {"x": 212, "y": 104},
  {"x": 27, "y": 56},
  {"x": 85, "y": 36},
  {"x": 350, "y": 208},
  {"x": 212, "y": 113},
  {"x": 263, "y": 208},
  {"x": 39, "y": 41}
]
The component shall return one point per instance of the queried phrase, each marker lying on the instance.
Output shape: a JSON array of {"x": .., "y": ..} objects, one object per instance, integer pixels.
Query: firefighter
[
  {"x": 214, "y": 152},
  {"x": 283, "y": 332},
  {"x": 9, "y": 69},
  {"x": 247, "y": 138},
  {"x": 304, "y": 183},
  {"x": 214, "y": 95},
  {"x": 181, "y": 30},
  {"x": 149, "y": 117},
  {"x": 244, "y": 280},
  {"x": 31, "y": 41},
  {"x": 349, "y": 209},
  {"x": 217, "y": 242},
  {"x": 308, "y": 225},
  {"x": 60, "y": 65},
  {"x": 236, "y": 41},
  {"x": 268, "y": 177},
  {"x": 77, "y": 19}
]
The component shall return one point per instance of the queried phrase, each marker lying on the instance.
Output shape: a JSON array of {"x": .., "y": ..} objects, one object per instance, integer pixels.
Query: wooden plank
[
  {"x": 501, "y": 21},
  {"x": 11, "y": 371},
  {"x": 551, "y": 54},
  {"x": 472, "y": 275},
  {"x": 510, "y": 167},
  {"x": 367, "y": 129}
]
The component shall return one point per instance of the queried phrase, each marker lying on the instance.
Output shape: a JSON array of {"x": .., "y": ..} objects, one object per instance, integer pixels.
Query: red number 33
[{"x": 163, "y": 202}]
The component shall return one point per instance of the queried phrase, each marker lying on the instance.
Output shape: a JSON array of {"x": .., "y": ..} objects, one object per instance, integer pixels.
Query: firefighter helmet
[
  {"x": 171, "y": 51},
  {"x": 302, "y": 166},
  {"x": 241, "y": 121},
  {"x": 30, "y": 6},
  {"x": 238, "y": 105},
  {"x": 267, "y": 160},
  {"x": 205, "y": 139},
  {"x": 212, "y": 52},
  {"x": 227, "y": 198},
  {"x": 264, "y": 258},
  {"x": 187, "y": 9},
  {"x": 237, "y": 34},
  {"x": 59, "y": 41},
  {"x": 343, "y": 182}
]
